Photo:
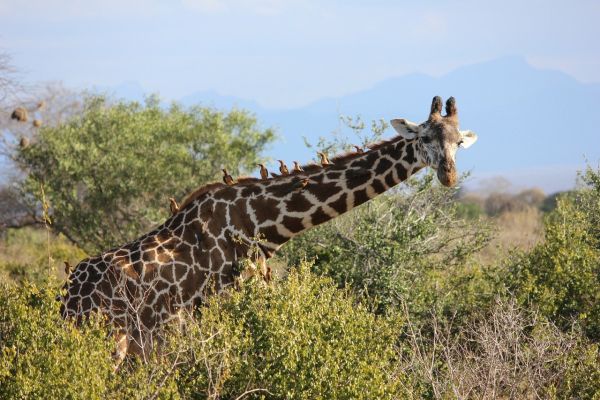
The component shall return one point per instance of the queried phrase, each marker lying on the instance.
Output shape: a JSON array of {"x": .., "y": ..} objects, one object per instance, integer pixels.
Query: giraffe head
[{"x": 439, "y": 137}]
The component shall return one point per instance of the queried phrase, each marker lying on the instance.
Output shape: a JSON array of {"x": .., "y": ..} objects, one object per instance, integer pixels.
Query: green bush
[
  {"x": 469, "y": 211},
  {"x": 581, "y": 378},
  {"x": 587, "y": 199},
  {"x": 561, "y": 276},
  {"x": 302, "y": 339},
  {"x": 108, "y": 173},
  {"x": 389, "y": 249},
  {"x": 44, "y": 357}
]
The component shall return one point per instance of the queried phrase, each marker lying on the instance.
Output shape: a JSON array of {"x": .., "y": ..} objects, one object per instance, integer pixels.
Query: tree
[
  {"x": 9, "y": 82},
  {"x": 107, "y": 173},
  {"x": 51, "y": 105}
]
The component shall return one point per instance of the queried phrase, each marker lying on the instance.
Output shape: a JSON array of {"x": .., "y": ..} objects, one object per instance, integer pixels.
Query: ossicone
[
  {"x": 436, "y": 107},
  {"x": 451, "y": 110}
]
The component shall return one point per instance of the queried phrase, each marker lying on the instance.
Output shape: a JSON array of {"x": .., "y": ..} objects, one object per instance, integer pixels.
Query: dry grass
[
  {"x": 506, "y": 354},
  {"x": 521, "y": 229},
  {"x": 25, "y": 253}
]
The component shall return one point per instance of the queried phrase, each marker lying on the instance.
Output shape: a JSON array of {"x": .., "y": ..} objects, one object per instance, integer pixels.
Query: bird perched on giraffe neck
[
  {"x": 297, "y": 167},
  {"x": 68, "y": 268},
  {"x": 173, "y": 206},
  {"x": 359, "y": 149},
  {"x": 264, "y": 173},
  {"x": 283, "y": 168},
  {"x": 227, "y": 178},
  {"x": 324, "y": 160}
]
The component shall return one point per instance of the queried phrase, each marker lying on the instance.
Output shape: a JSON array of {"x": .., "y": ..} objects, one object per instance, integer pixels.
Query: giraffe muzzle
[{"x": 446, "y": 173}]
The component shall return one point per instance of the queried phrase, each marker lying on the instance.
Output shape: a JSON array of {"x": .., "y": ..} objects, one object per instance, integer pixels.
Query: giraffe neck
[{"x": 280, "y": 214}]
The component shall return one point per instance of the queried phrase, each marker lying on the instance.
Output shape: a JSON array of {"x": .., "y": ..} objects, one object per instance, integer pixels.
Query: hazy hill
[{"x": 533, "y": 125}]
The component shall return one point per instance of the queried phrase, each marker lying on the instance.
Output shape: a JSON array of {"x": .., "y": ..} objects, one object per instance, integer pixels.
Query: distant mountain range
[{"x": 536, "y": 127}]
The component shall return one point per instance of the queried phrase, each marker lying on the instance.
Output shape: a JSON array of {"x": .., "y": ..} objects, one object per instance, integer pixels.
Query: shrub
[
  {"x": 532, "y": 197},
  {"x": 588, "y": 200},
  {"x": 107, "y": 174},
  {"x": 301, "y": 338},
  {"x": 505, "y": 352},
  {"x": 561, "y": 276},
  {"x": 389, "y": 249},
  {"x": 44, "y": 357},
  {"x": 469, "y": 210}
]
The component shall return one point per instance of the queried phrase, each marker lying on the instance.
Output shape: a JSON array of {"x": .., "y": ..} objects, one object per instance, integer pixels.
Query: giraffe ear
[
  {"x": 406, "y": 129},
  {"x": 467, "y": 138}
]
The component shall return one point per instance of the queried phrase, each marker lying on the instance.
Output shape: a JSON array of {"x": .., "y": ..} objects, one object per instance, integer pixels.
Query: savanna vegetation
[{"x": 424, "y": 292}]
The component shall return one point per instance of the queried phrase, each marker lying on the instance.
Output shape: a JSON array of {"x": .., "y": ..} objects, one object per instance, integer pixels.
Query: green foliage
[
  {"x": 390, "y": 248},
  {"x": 588, "y": 200},
  {"x": 471, "y": 211},
  {"x": 551, "y": 201},
  {"x": 44, "y": 357},
  {"x": 338, "y": 141},
  {"x": 561, "y": 276},
  {"x": 300, "y": 339},
  {"x": 108, "y": 173},
  {"x": 581, "y": 379}
]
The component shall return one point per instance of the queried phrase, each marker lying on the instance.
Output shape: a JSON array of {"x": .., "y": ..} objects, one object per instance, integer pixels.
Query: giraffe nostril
[{"x": 447, "y": 173}]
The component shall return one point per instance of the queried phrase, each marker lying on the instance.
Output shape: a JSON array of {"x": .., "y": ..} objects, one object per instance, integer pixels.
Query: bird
[
  {"x": 297, "y": 185},
  {"x": 283, "y": 168},
  {"x": 20, "y": 114},
  {"x": 359, "y": 149},
  {"x": 324, "y": 160},
  {"x": 68, "y": 268},
  {"x": 302, "y": 184},
  {"x": 297, "y": 167},
  {"x": 24, "y": 142},
  {"x": 173, "y": 206},
  {"x": 227, "y": 178},
  {"x": 264, "y": 173}
]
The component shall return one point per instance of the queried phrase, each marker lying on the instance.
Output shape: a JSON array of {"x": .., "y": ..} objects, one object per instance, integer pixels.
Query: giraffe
[{"x": 199, "y": 251}]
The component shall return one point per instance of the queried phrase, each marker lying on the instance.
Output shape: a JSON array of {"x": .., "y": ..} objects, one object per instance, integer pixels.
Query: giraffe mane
[
  {"x": 209, "y": 187},
  {"x": 247, "y": 179},
  {"x": 308, "y": 168},
  {"x": 350, "y": 155}
]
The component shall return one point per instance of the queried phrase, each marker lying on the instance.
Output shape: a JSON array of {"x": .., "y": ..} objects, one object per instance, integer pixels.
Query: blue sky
[{"x": 288, "y": 53}]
